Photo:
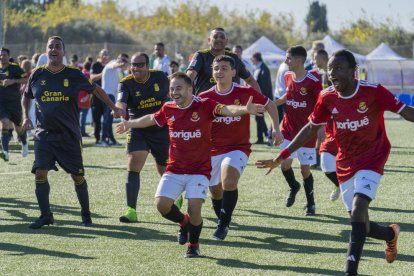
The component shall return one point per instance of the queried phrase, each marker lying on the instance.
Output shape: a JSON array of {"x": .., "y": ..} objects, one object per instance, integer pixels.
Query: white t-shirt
[
  {"x": 162, "y": 63},
  {"x": 111, "y": 77},
  {"x": 280, "y": 87}
]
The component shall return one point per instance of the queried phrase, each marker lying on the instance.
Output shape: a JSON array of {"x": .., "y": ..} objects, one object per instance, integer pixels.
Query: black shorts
[
  {"x": 11, "y": 111},
  {"x": 67, "y": 153},
  {"x": 156, "y": 142}
]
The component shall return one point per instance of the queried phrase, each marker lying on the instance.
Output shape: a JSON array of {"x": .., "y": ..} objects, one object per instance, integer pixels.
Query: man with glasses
[
  {"x": 111, "y": 75},
  {"x": 142, "y": 92}
]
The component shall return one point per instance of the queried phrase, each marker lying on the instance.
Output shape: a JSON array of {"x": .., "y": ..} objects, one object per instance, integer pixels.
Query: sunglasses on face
[{"x": 138, "y": 64}]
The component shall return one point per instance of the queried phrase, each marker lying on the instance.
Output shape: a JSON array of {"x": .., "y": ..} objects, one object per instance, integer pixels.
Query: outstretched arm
[
  {"x": 236, "y": 110},
  {"x": 142, "y": 122},
  {"x": 306, "y": 133},
  {"x": 408, "y": 113},
  {"x": 100, "y": 93},
  {"x": 277, "y": 136}
]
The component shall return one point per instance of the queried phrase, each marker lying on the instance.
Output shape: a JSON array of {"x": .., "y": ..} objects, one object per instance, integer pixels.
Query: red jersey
[
  {"x": 329, "y": 145},
  {"x": 301, "y": 97},
  {"x": 190, "y": 135},
  {"x": 358, "y": 126},
  {"x": 232, "y": 133}
]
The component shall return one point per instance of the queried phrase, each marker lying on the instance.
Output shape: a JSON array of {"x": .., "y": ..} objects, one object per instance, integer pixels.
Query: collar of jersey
[
  {"x": 350, "y": 96},
  {"x": 142, "y": 82},
  {"x": 224, "y": 94},
  {"x": 64, "y": 66},
  {"x": 8, "y": 64},
  {"x": 192, "y": 100},
  {"x": 294, "y": 77}
]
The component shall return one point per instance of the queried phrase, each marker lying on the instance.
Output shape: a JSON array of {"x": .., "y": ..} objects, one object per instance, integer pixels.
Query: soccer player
[
  {"x": 55, "y": 89},
  {"x": 189, "y": 121},
  {"x": 230, "y": 140},
  {"x": 356, "y": 108},
  {"x": 200, "y": 68},
  {"x": 142, "y": 92},
  {"x": 11, "y": 77},
  {"x": 302, "y": 90}
]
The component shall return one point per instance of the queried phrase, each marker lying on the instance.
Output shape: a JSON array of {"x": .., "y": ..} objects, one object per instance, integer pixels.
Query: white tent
[
  {"x": 271, "y": 53},
  {"x": 383, "y": 52},
  {"x": 331, "y": 46}
]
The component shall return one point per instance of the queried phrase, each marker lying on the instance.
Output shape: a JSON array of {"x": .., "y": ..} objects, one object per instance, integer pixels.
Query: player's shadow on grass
[
  {"x": 393, "y": 210},
  {"x": 17, "y": 208},
  {"x": 402, "y": 151},
  {"x": 22, "y": 250},
  {"x": 274, "y": 267},
  {"x": 105, "y": 167}
]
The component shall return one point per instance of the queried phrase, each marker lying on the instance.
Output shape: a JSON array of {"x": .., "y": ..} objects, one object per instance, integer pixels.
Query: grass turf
[{"x": 265, "y": 237}]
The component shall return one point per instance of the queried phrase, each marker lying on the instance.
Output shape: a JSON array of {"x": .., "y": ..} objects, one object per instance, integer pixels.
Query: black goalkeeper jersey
[{"x": 202, "y": 63}]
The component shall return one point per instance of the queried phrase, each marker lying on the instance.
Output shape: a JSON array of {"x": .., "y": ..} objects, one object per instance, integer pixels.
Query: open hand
[
  {"x": 255, "y": 109},
  {"x": 271, "y": 164}
]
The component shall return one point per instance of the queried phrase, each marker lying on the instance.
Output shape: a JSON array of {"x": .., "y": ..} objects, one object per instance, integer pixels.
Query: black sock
[
  {"x": 333, "y": 178},
  {"x": 229, "y": 203},
  {"x": 42, "y": 195},
  {"x": 194, "y": 232},
  {"x": 318, "y": 158},
  {"x": 290, "y": 178},
  {"x": 132, "y": 188},
  {"x": 380, "y": 232},
  {"x": 23, "y": 137},
  {"x": 5, "y": 138},
  {"x": 174, "y": 214},
  {"x": 308, "y": 185},
  {"x": 83, "y": 197},
  {"x": 356, "y": 243},
  {"x": 217, "y": 204}
]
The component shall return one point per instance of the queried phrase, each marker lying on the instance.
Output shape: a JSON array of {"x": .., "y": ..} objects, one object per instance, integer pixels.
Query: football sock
[
  {"x": 290, "y": 178},
  {"x": 308, "y": 185},
  {"x": 194, "y": 232},
  {"x": 217, "y": 204},
  {"x": 333, "y": 178},
  {"x": 132, "y": 188},
  {"x": 42, "y": 195},
  {"x": 83, "y": 197},
  {"x": 356, "y": 243},
  {"x": 5, "y": 138},
  {"x": 229, "y": 203},
  {"x": 174, "y": 214},
  {"x": 23, "y": 137},
  {"x": 380, "y": 232}
]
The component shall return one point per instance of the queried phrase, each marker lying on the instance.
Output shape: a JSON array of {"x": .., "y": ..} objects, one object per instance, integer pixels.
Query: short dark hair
[
  {"x": 323, "y": 54},
  {"x": 87, "y": 66},
  {"x": 239, "y": 47},
  {"x": 58, "y": 38},
  {"x": 225, "y": 58},
  {"x": 5, "y": 50},
  {"x": 141, "y": 54},
  {"x": 298, "y": 50},
  {"x": 174, "y": 63},
  {"x": 74, "y": 57},
  {"x": 350, "y": 58},
  {"x": 183, "y": 76},
  {"x": 219, "y": 29},
  {"x": 160, "y": 44},
  {"x": 258, "y": 56}
]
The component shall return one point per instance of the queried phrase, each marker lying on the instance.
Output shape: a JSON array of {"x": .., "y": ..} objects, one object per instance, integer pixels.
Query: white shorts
[
  {"x": 328, "y": 162},
  {"x": 306, "y": 156},
  {"x": 363, "y": 182},
  {"x": 173, "y": 185},
  {"x": 237, "y": 159}
]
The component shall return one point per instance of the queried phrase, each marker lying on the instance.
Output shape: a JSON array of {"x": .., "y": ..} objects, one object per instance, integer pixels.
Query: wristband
[{"x": 284, "y": 153}]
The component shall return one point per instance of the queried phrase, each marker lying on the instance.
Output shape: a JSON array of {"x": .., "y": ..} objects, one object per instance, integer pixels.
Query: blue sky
[{"x": 340, "y": 12}]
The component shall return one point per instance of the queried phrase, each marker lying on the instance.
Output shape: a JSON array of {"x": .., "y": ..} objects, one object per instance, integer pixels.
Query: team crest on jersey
[
  {"x": 362, "y": 107},
  {"x": 236, "y": 102},
  {"x": 66, "y": 83},
  {"x": 195, "y": 117},
  {"x": 156, "y": 87},
  {"x": 42, "y": 82},
  {"x": 303, "y": 91},
  {"x": 137, "y": 93}
]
